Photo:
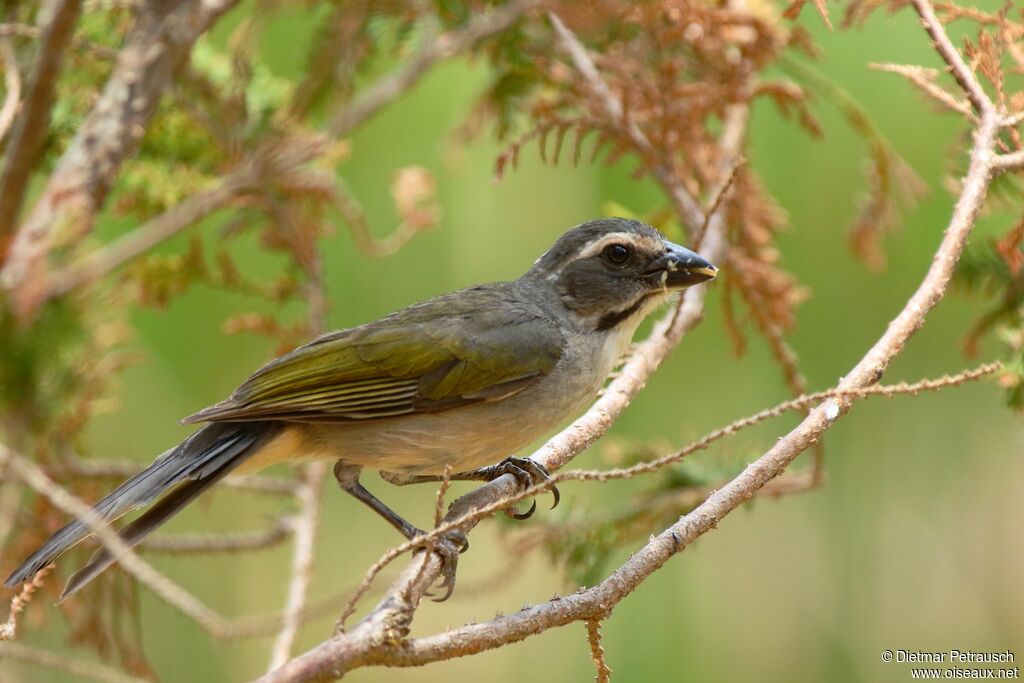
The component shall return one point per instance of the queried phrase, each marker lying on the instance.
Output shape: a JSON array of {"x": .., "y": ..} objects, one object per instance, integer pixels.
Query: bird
[{"x": 450, "y": 385}]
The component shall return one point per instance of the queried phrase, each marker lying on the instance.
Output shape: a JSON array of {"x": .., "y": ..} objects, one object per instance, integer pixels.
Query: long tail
[{"x": 189, "y": 468}]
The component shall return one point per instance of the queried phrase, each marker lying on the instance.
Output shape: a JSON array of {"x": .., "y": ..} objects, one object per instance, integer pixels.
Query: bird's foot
[
  {"x": 528, "y": 473},
  {"x": 448, "y": 547}
]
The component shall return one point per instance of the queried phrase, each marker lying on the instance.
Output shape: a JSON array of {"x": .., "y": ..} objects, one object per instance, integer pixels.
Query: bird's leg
[
  {"x": 527, "y": 473},
  {"x": 448, "y": 546}
]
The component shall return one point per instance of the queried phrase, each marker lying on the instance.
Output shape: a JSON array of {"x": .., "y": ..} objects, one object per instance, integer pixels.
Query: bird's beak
[{"x": 679, "y": 267}]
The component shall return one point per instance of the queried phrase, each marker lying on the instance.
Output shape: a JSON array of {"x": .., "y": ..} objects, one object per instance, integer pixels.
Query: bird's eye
[{"x": 616, "y": 254}]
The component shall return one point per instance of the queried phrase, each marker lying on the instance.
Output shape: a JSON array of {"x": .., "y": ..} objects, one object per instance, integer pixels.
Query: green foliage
[{"x": 38, "y": 372}]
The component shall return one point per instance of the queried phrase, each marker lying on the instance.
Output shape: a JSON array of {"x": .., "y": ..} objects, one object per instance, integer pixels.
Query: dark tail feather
[
  {"x": 168, "y": 506},
  {"x": 198, "y": 462}
]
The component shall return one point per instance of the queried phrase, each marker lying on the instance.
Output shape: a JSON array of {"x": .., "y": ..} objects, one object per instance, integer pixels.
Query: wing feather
[{"x": 481, "y": 344}]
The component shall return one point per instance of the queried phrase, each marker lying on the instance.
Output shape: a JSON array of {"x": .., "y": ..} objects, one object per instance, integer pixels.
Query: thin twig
[
  {"x": 604, "y": 674},
  {"x": 434, "y": 49},
  {"x": 78, "y": 668},
  {"x": 163, "y": 587},
  {"x": 718, "y": 198},
  {"x": 686, "y": 205},
  {"x": 830, "y": 396},
  {"x": 958, "y": 67},
  {"x": 156, "y": 230},
  {"x": 925, "y": 80},
  {"x": 377, "y": 247},
  {"x": 799, "y": 403},
  {"x": 1006, "y": 163},
  {"x": 303, "y": 555},
  {"x": 202, "y": 544}
]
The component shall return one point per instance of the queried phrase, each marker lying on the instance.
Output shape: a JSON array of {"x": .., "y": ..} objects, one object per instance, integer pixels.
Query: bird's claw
[
  {"x": 448, "y": 547},
  {"x": 527, "y": 473}
]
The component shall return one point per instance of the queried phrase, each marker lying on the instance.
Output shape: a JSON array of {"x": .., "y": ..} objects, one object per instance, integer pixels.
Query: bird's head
[{"x": 614, "y": 271}]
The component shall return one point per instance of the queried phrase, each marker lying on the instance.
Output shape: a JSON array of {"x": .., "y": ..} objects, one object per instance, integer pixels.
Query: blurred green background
[{"x": 914, "y": 543}]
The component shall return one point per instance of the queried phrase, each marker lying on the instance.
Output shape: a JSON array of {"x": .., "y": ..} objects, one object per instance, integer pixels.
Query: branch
[
  {"x": 380, "y": 637},
  {"x": 157, "y": 45},
  {"x": 270, "y": 162},
  {"x": 685, "y": 204},
  {"x": 395, "y": 84},
  {"x": 590, "y": 603},
  {"x": 1011, "y": 162},
  {"x": 468, "y": 515},
  {"x": 389, "y": 620},
  {"x": 121, "y": 551},
  {"x": 924, "y": 79},
  {"x": 966, "y": 79},
  {"x": 309, "y": 496},
  {"x": 200, "y": 544},
  {"x": 151, "y": 233}
]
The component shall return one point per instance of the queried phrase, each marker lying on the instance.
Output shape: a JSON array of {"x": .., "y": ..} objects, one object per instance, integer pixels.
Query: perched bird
[{"x": 459, "y": 381}]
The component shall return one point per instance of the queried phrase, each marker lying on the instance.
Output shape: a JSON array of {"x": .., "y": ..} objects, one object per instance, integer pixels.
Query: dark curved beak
[{"x": 679, "y": 267}]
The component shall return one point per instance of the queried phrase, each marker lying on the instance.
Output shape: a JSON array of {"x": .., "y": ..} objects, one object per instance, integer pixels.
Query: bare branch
[
  {"x": 105, "y": 534},
  {"x": 925, "y": 80},
  {"x": 366, "y": 242},
  {"x": 471, "y": 513},
  {"x": 1014, "y": 161},
  {"x": 798, "y": 403},
  {"x": 957, "y": 66},
  {"x": 201, "y": 544},
  {"x": 389, "y": 620},
  {"x": 716, "y": 202},
  {"x": 379, "y": 637},
  {"x": 309, "y": 496}
]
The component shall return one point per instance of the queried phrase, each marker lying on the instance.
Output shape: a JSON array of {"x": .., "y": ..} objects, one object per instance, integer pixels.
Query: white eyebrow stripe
[{"x": 597, "y": 247}]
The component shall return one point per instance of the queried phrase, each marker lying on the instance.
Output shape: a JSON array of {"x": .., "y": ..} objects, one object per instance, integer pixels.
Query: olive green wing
[{"x": 481, "y": 344}]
